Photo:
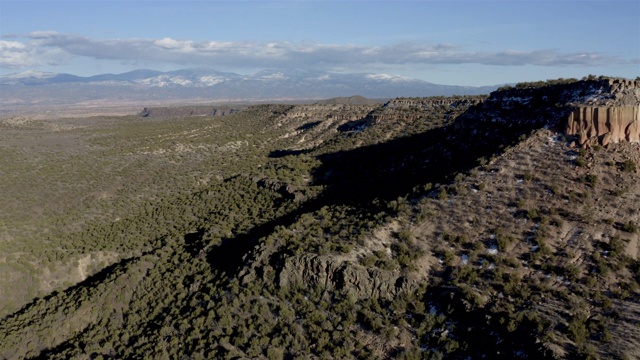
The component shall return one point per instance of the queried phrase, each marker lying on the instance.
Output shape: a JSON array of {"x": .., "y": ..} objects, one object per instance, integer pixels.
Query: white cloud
[
  {"x": 50, "y": 47},
  {"x": 11, "y": 45},
  {"x": 171, "y": 44},
  {"x": 14, "y": 54}
]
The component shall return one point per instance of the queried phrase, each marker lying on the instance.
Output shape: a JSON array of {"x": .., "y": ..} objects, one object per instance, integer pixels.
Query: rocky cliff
[
  {"x": 604, "y": 110},
  {"x": 606, "y": 124}
]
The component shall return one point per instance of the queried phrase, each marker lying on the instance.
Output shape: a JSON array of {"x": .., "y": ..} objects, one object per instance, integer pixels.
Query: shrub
[
  {"x": 630, "y": 227},
  {"x": 442, "y": 194},
  {"x": 628, "y": 166},
  {"x": 532, "y": 214},
  {"x": 590, "y": 180},
  {"x": 503, "y": 241},
  {"x": 578, "y": 330},
  {"x": 557, "y": 222},
  {"x": 274, "y": 353}
]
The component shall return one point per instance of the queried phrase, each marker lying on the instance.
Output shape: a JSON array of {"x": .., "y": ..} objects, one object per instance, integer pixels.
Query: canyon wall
[{"x": 605, "y": 124}]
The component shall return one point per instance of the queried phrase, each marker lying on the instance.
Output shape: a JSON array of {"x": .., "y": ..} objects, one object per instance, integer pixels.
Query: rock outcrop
[
  {"x": 408, "y": 110},
  {"x": 411, "y": 109},
  {"x": 606, "y": 124},
  {"x": 310, "y": 270},
  {"x": 328, "y": 112},
  {"x": 351, "y": 100},
  {"x": 604, "y": 110},
  {"x": 187, "y": 111}
]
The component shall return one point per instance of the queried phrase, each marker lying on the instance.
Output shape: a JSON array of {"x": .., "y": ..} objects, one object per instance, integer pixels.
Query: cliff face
[
  {"x": 608, "y": 119},
  {"x": 596, "y": 111},
  {"x": 606, "y": 124}
]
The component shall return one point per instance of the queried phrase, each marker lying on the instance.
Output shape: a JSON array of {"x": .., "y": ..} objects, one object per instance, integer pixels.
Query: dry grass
[{"x": 536, "y": 195}]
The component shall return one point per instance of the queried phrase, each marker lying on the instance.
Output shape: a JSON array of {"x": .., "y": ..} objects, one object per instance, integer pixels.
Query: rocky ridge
[
  {"x": 597, "y": 111},
  {"x": 312, "y": 270},
  {"x": 408, "y": 110},
  {"x": 343, "y": 274},
  {"x": 521, "y": 109},
  {"x": 411, "y": 109},
  {"x": 187, "y": 111}
]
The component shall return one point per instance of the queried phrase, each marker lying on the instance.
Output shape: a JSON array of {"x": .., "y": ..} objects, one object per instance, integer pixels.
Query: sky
[{"x": 469, "y": 43}]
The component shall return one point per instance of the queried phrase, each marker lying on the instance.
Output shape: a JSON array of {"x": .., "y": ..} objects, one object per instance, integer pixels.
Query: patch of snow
[
  {"x": 31, "y": 74},
  {"x": 274, "y": 76},
  {"x": 211, "y": 80},
  {"x": 111, "y": 83},
  {"x": 181, "y": 81},
  {"x": 386, "y": 77}
]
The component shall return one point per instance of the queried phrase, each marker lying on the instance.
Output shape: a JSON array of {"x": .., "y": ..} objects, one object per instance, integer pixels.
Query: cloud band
[{"x": 48, "y": 47}]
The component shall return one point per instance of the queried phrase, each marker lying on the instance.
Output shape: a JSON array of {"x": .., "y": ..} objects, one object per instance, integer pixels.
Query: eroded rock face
[
  {"x": 310, "y": 270},
  {"x": 606, "y": 124}
]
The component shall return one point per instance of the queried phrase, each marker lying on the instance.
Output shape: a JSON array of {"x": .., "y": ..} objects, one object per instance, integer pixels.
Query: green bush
[
  {"x": 590, "y": 180},
  {"x": 630, "y": 227},
  {"x": 628, "y": 166}
]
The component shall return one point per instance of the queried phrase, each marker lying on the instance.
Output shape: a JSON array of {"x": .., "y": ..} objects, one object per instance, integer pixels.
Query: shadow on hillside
[
  {"x": 395, "y": 168},
  {"x": 108, "y": 272},
  {"x": 382, "y": 171},
  {"x": 391, "y": 169},
  {"x": 309, "y": 126},
  {"x": 231, "y": 254}
]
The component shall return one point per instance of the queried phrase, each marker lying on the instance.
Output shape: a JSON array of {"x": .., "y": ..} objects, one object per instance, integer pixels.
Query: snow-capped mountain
[{"x": 204, "y": 83}]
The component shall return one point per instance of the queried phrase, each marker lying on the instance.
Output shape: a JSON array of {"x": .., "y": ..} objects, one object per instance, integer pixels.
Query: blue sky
[{"x": 446, "y": 42}]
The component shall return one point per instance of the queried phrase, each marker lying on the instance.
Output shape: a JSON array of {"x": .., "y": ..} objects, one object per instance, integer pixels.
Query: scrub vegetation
[{"x": 285, "y": 231}]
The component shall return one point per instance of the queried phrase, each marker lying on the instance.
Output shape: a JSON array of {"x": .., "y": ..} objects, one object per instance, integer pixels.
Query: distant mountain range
[{"x": 42, "y": 88}]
